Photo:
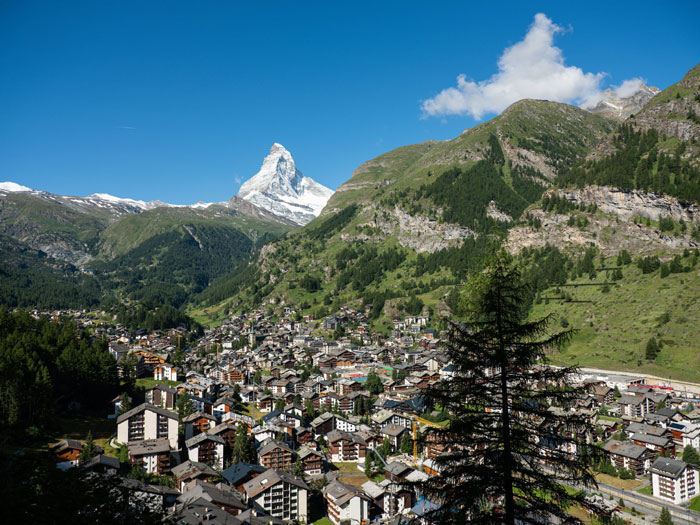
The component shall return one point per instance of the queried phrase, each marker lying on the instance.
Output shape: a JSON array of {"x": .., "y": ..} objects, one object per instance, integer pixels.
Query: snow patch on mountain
[
  {"x": 129, "y": 202},
  {"x": 280, "y": 188},
  {"x": 13, "y": 187}
]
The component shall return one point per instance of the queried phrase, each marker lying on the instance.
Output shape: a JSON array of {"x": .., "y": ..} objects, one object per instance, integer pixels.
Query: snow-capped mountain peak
[{"x": 279, "y": 187}]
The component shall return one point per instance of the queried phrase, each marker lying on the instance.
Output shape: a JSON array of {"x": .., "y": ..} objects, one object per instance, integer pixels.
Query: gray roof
[
  {"x": 396, "y": 468},
  {"x": 196, "y": 415},
  {"x": 630, "y": 399},
  {"x": 149, "y": 446},
  {"x": 146, "y": 406},
  {"x": 270, "y": 478},
  {"x": 393, "y": 430},
  {"x": 342, "y": 493},
  {"x": 626, "y": 449},
  {"x": 652, "y": 440},
  {"x": 197, "y": 511},
  {"x": 271, "y": 444},
  {"x": 668, "y": 467},
  {"x": 100, "y": 459},
  {"x": 219, "y": 494},
  {"x": 203, "y": 436},
  {"x": 192, "y": 467}
]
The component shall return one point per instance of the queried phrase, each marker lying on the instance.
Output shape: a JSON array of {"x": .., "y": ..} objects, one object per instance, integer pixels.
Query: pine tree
[
  {"x": 498, "y": 404},
  {"x": 369, "y": 467},
  {"x": 299, "y": 469},
  {"x": 89, "y": 450},
  {"x": 652, "y": 349},
  {"x": 407, "y": 443},
  {"x": 665, "y": 517}
]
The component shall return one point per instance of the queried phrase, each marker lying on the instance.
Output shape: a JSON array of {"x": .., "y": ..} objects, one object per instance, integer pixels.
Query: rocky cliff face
[
  {"x": 627, "y": 204},
  {"x": 417, "y": 232},
  {"x": 611, "y": 228}
]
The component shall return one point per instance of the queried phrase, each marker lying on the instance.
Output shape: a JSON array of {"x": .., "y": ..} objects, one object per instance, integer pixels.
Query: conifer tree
[
  {"x": 89, "y": 450},
  {"x": 665, "y": 517},
  {"x": 369, "y": 468},
  {"x": 509, "y": 432}
]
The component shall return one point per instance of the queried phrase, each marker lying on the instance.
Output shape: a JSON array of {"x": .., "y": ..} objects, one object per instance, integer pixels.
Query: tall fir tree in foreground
[{"x": 511, "y": 439}]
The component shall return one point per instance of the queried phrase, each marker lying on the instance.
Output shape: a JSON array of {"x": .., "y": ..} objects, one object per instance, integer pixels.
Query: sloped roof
[{"x": 146, "y": 406}]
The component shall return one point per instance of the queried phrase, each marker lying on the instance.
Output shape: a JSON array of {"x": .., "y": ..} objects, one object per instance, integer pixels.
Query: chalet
[
  {"x": 162, "y": 396},
  {"x": 635, "y": 405},
  {"x": 67, "y": 453},
  {"x": 345, "y": 503},
  {"x": 396, "y": 471},
  {"x": 673, "y": 480},
  {"x": 274, "y": 454},
  {"x": 201, "y": 404},
  {"x": 223, "y": 406},
  {"x": 266, "y": 403},
  {"x": 660, "y": 444},
  {"x": 601, "y": 393},
  {"x": 226, "y": 431},
  {"x": 165, "y": 372},
  {"x": 385, "y": 417},
  {"x": 206, "y": 448},
  {"x": 223, "y": 496},
  {"x": 151, "y": 456},
  {"x": 394, "y": 433},
  {"x": 147, "y": 422},
  {"x": 344, "y": 446},
  {"x": 241, "y": 473},
  {"x": 101, "y": 464},
  {"x": 235, "y": 377},
  {"x": 312, "y": 460},
  {"x": 278, "y": 494},
  {"x": 624, "y": 454},
  {"x": 323, "y": 424},
  {"x": 188, "y": 471},
  {"x": 305, "y": 436},
  {"x": 197, "y": 422}
]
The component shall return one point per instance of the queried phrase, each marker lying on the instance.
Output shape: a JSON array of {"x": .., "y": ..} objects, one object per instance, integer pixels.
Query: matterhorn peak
[{"x": 280, "y": 188}]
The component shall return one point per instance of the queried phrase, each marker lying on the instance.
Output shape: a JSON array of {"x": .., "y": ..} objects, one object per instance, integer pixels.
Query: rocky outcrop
[
  {"x": 611, "y": 228},
  {"x": 496, "y": 214},
  {"x": 627, "y": 204},
  {"x": 604, "y": 232},
  {"x": 417, "y": 232}
]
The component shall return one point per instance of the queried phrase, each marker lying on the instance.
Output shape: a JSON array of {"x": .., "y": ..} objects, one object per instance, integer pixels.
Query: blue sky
[{"x": 180, "y": 101}]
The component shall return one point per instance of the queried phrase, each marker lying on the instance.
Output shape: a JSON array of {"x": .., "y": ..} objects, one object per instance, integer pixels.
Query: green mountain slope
[
  {"x": 541, "y": 135},
  {"x": 163, "y": 254},
  {"x": 414, "y": 221},
  {"x": 615, "y": 323},
  {"x": 30, "y": 279}
]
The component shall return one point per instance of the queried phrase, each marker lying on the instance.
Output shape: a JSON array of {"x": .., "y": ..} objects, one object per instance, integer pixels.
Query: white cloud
[
  {"x": 531, "y": 68},
  {"x": 629, "y": 87},
  {"x": 237, "y": 179}
]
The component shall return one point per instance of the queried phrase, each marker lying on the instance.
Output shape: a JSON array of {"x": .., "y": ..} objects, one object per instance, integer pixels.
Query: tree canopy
[{"x": 509, "y": 429}]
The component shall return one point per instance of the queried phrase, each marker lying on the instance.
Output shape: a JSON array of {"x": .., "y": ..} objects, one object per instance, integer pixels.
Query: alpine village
[{"x": 497, "y": 328}]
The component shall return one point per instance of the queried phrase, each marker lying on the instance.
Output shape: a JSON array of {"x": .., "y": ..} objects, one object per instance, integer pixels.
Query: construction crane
[{"x": 414, "y": 424}]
